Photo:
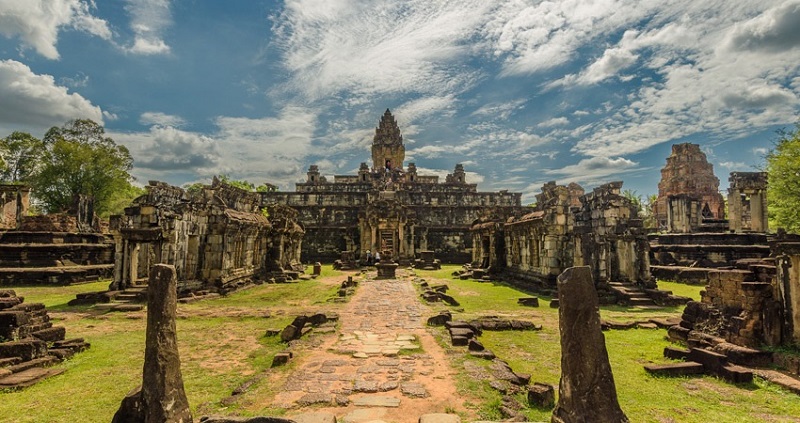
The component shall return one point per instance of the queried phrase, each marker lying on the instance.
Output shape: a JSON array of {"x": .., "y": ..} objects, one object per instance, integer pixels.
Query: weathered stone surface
[
  {"x": 440, "y": 319},
  {"x": 541, "y": 395},
  {"x": 376, "y": 401},
  {"x": 281, "y": 358},
  {"x": 586, "y": 390},
  {"x": 413, "y": 389},
  {"x": 439, "y": 418},
  {"x": 162, "y": 396},
  {"x": 675, "y": 369},
  {"x": 211, "y": 419}
]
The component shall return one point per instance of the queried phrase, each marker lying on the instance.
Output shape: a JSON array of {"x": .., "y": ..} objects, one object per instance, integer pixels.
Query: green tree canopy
[
  {"x": 80, "y": 159},
  {"x": 783, "y": 166},
  {"x": 21, "y": 153}
]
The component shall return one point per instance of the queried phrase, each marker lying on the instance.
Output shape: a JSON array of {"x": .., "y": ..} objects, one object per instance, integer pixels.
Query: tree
[
  {"x": 22, "y": 154},
  {"x": 80, "y": 160},
  {"x": 783, "y": 166},
  {"x": 635, "y": 199}
]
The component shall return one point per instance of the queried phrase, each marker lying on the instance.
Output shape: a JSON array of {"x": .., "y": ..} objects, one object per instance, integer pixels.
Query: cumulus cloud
[
  {"x": 499, "y": 111},
  {"x": 775, "y": 30},
  {"x": 37, "y": 22},
  {"x": 166, "y": 149},
  {"x": 267, "y": 149},
  {"x": 149, "y": 20},
  {"x": 35, "y": 102}
]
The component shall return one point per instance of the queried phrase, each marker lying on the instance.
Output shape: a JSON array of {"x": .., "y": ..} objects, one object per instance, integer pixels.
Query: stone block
[
  {"x": 459, "y": 341},
  {"x": 735, "y": 374},
  {"x": 675, "y": 369},
  {"x": 710, "y": 360},
  {"x": 281, "y": 358},
  {"x": 541, "y": 395},
  {"x": 27, "y": 350}
]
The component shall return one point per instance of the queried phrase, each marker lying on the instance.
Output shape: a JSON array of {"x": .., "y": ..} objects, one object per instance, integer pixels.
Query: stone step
[
  {"x": 28, "y": 377},
  {"x": 675, "y": 369},
  {"x": 641, "y": 301},
  {"x": 45, "y": 361}
]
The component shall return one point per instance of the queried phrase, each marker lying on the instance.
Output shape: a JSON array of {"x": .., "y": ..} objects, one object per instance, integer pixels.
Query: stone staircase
[
  {"x": 29, "y": 343},
  {"x": 129, "y": 299},
  {"x": 632, "y": 295},
  {"x": 54, "y": 258}
]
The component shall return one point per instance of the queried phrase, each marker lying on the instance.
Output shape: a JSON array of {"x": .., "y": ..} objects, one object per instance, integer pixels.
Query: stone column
[
  {"x": 758, "y": 214},
  {"x": 586, "y": 391},
  {"x": 161, "y": 397}
]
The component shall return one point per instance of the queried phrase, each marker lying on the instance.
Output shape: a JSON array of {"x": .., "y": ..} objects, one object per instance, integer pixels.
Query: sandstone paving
[{"x": 383, "y": 357}]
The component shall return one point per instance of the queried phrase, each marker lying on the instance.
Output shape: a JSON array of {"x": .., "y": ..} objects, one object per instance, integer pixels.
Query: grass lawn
[
  {"x": 221, "y": 341},
  {"x": 222, "y": 346},
  {"x": 643, "y": 398}
]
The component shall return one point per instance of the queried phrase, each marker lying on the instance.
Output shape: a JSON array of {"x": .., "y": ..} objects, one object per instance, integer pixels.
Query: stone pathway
[{"x": 384, "y": 365}]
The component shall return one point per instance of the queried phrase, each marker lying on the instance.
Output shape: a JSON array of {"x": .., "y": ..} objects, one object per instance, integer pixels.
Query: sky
[{"x": 520, "y": 92}]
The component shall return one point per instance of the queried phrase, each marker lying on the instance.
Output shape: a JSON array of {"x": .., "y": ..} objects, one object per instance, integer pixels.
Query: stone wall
[
  {"x": 755, "y": 305},
  {"x": 747, "y": 202}
]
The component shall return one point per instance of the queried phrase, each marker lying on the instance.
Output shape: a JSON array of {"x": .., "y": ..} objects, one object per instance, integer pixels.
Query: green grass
[
  {"x": 222, "y": 346},
  {"x": 644, "y": 398},
  {"x": 221, "y": 341}
]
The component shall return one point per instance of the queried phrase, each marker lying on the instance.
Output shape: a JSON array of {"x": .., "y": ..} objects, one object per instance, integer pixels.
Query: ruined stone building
[
  {"x": 216, "y": 238},
  {"x": 14, "y": 204},
  {"x": 567, "y": 228},
  {"x": 54, "y": 249},
  {"x": 389, "y": 207},
  {"x": 688, "y": 190}
]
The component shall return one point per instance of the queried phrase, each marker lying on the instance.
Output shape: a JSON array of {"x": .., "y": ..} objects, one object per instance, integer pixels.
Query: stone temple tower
[{"x": 387, "y": 145}]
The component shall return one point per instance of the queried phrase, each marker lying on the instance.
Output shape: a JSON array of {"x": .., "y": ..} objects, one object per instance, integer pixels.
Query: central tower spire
[{"x": 387, "y": 145}]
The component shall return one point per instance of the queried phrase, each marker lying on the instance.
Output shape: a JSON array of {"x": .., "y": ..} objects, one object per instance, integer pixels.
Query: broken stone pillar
[
  {"x": 586, "y": 391},
  {"x": 161, "y": 397}
]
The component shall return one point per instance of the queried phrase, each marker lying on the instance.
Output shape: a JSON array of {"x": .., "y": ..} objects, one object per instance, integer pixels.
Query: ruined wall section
[{"x": 609, "y": 237}]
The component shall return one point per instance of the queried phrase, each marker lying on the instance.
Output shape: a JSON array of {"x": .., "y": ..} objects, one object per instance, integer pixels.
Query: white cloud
[
  {"x": 718, "y": 72},
  {"x": 167, "y": 149},
  {"x": 149, "y": 20},
  {"x": 500, "y": 111},
  {"x": 34, "y": 102},
  {"x": 593, "y": 171},
  {"x": 556, "y": 121},
  {"x": 424, "y": 108},
  {"x": 38, "y": 22},
  {"x": 161, "y": 119},
  {"x": 374, "y": 47},
  {"x": 270, "y": 149},
  {"x": 740, "y": 166}
]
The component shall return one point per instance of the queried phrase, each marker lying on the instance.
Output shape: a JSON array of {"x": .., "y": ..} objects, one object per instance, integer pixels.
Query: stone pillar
[
  {"x": 161, "y": 397},
  {"x": 758, "y": 212},
  {"x": 586, "y": 391}
]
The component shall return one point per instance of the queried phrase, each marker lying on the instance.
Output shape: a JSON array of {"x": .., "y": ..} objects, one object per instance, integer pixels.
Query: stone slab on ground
[
  {"x": 319, "y": 417},
  {"x": 28, "y": 377},
  {"x": 363, "y": 415},
  {"x": 376, "y": 401},
  {"x": 787, "y": 382},
  {"x": 675, "y": 369},
  {"x": 439, "y": 418}
]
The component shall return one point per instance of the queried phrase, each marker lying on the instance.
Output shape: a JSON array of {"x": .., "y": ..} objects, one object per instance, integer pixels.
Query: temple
[{"x": 390, "y": 208}]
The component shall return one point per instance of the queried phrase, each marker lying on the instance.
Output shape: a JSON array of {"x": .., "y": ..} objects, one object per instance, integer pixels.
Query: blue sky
[{"x": 519, "y": 91}]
